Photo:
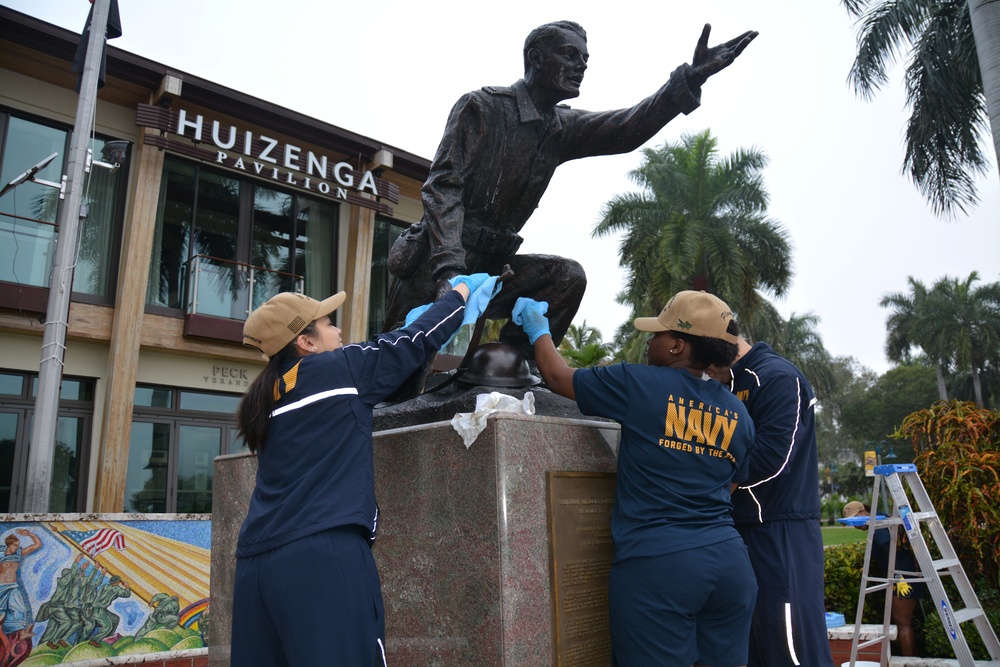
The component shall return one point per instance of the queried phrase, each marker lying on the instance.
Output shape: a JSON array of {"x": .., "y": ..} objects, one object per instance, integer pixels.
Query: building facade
[{"x": 221, "y": 201}]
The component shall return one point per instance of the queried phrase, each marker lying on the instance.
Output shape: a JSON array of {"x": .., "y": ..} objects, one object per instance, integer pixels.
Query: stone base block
[{"x": 463, "y": 548}]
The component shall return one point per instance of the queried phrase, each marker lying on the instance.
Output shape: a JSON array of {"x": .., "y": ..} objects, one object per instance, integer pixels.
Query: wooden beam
[
  {"x": 123, "y": 356},
  {"x": 358, "y": 276},
  {"x": 89, "y": 322}
]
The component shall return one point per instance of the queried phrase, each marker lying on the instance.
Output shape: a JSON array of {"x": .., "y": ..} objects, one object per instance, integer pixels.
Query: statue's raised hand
[{"x": 707, "y": 61}]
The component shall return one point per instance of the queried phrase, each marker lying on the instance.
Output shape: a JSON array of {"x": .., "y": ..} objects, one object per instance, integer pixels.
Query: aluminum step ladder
[{"x": 911, "y": 517}]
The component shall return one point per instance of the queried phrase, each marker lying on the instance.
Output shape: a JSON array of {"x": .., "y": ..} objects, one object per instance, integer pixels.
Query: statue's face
[{"x": 562, "y": 64}]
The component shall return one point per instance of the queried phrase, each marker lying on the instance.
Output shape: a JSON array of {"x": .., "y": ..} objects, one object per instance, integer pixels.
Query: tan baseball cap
[
  {"x": 696, "y": 313},
  {"x": 281, "y": 318},
  {"x": 852, "y": 508}
]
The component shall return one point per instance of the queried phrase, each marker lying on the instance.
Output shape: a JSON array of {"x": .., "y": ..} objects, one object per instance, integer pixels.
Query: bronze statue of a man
[{"x": 499, "y": 151}]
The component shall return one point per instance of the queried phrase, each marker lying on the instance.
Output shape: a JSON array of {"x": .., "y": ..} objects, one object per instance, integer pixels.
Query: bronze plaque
[{"x": 580, "y": 555}]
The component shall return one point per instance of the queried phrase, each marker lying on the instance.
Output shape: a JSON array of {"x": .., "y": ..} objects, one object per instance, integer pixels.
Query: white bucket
[{"x": 860, "y": 663}]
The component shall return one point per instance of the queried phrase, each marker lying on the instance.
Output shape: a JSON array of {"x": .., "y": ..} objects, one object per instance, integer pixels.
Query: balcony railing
[
  {"x": 26, "y": 249},
  {"x": 224, "y": 288}
]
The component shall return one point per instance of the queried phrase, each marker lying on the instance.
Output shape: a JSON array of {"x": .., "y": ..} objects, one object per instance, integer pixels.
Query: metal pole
[{"x": 43, "y": 438}]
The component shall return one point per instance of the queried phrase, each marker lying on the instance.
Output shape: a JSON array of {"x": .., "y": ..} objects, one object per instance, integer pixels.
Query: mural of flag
[{"x": 96, "y": 542}]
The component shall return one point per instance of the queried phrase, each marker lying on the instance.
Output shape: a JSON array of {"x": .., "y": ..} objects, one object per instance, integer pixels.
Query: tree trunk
[
  {"x": 977, "y": 385},
  {"x": 942, "y": 390},
  {"x": 985, "y": 17}
]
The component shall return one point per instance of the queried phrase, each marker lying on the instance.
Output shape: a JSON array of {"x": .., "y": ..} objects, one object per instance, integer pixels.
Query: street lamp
[{"x": 39, "y": 469}]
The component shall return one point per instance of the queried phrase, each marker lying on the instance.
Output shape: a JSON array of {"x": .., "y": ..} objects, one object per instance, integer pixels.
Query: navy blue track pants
[
  {"x": 314, "y": 601},
  {"x": 789, "y": 621}
]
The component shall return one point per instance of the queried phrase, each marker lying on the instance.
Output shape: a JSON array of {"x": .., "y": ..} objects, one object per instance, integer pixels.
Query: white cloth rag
[{"x": 470, "y": 424}]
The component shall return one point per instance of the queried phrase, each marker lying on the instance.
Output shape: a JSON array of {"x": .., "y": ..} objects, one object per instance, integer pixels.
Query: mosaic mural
[{"x": 80, "y": 590}]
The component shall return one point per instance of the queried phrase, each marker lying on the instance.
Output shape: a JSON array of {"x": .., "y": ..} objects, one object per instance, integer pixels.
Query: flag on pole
[
  {"x": 96, "y": 542},
  {"x": 114, "y": 29}
]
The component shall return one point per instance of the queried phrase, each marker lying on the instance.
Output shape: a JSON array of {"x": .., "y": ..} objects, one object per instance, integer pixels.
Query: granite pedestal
[{"x": 463, "y": 541}]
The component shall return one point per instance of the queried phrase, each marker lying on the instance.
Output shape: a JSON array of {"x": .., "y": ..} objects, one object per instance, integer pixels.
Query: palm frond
[
  {"x": 886, "y": 29},
  {"x": 948, "y": 119}
]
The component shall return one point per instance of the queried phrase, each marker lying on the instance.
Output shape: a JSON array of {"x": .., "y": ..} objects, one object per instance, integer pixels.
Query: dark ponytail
[{"x": 254, "y": 411}]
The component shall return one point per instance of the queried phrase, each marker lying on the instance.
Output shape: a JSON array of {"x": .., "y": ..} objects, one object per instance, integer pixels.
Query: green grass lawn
[{"x": 840, "y": 534}]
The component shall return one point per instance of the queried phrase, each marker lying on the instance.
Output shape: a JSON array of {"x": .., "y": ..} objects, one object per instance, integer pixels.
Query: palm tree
[
  {"x": 766, "y": 324},
  {"x": 984, "y": 15},
  {"x": 583, "y": 347},
  {"x": 909, "y": 326},
  {"x": 589, "y": 356},
  {"x": 801, "y": 344},
  {"x": 578, "y": 337},
  {"x": 698, "y": 223},
  {"x": 969, "y": 319},
  {"x": 944, "y": 89}
]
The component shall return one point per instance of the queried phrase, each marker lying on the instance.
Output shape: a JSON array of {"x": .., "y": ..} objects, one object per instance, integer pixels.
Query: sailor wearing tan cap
[
  {"x": 682, "y": 588},
  {"x": 307, "y": 591}
]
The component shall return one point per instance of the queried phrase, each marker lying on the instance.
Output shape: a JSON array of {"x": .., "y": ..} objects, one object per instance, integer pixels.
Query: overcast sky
[{"x": 392, "y": 70}]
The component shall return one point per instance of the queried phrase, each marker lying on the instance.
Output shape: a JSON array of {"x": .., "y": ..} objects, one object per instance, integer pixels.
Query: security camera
[{"x": 115, "y": 151}]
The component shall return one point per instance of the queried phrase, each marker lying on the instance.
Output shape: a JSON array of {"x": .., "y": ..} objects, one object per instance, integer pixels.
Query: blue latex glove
[
  {"x": 480, "y": 297},
  {"x": 479, "y": 300},
  {"x": 487, "y": 287},
  {"x": 473, "y": 281},
  {"x": 530, "y": 316}
]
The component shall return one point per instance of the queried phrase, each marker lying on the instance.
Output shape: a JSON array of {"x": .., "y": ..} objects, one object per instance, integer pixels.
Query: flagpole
[{"x": 46, "y": 419}]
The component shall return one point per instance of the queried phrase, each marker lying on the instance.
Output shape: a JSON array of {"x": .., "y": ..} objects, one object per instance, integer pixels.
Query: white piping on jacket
[
  {"x": 301, "y": 403},
  {"x": 791, "y": 444},
  {"x": 369, "y": 346}
]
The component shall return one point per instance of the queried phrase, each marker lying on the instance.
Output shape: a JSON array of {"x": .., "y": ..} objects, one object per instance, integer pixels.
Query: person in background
[
  {"x": 307, "y": 591},
  {"x": 777, "y": 510},
  {"x": 905, "y": 594},
  {"x": 681, "y": 588}
]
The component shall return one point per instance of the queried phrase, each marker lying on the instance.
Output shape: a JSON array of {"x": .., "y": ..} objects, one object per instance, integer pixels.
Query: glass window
[
  {"x": 92, "y": 274},
  {"x": 28, "y": 212},
  {"x": 270, "y": 245},
  {"x": 146, "y": 478},
  {"x": 224, "y": 245},
  {"x": 385, "y": 235},
  {"x": 221, "y": 283},
  {"x": 173, "y": 449},
  {"x": 11, "y": 422},
  {"x": 173, "y": 236},
  {"x": 198, "y": 447},
  {"x": 71, "y": 434},
  {"x": 201, "y": 402},
  {"x": 70, "y": 390},
  {"x": 236, "y": 444},
  {"x": 72, "y": 441},
  {"x": 153, "y": 397},
  {"x": 12, "y": 385},
  {"x": 316, "y": 234}
]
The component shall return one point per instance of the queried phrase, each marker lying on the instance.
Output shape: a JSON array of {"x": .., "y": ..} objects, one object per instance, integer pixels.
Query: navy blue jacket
[
  {"x": 784, "y": 471},
  {"x": 315, "y": 470}
]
